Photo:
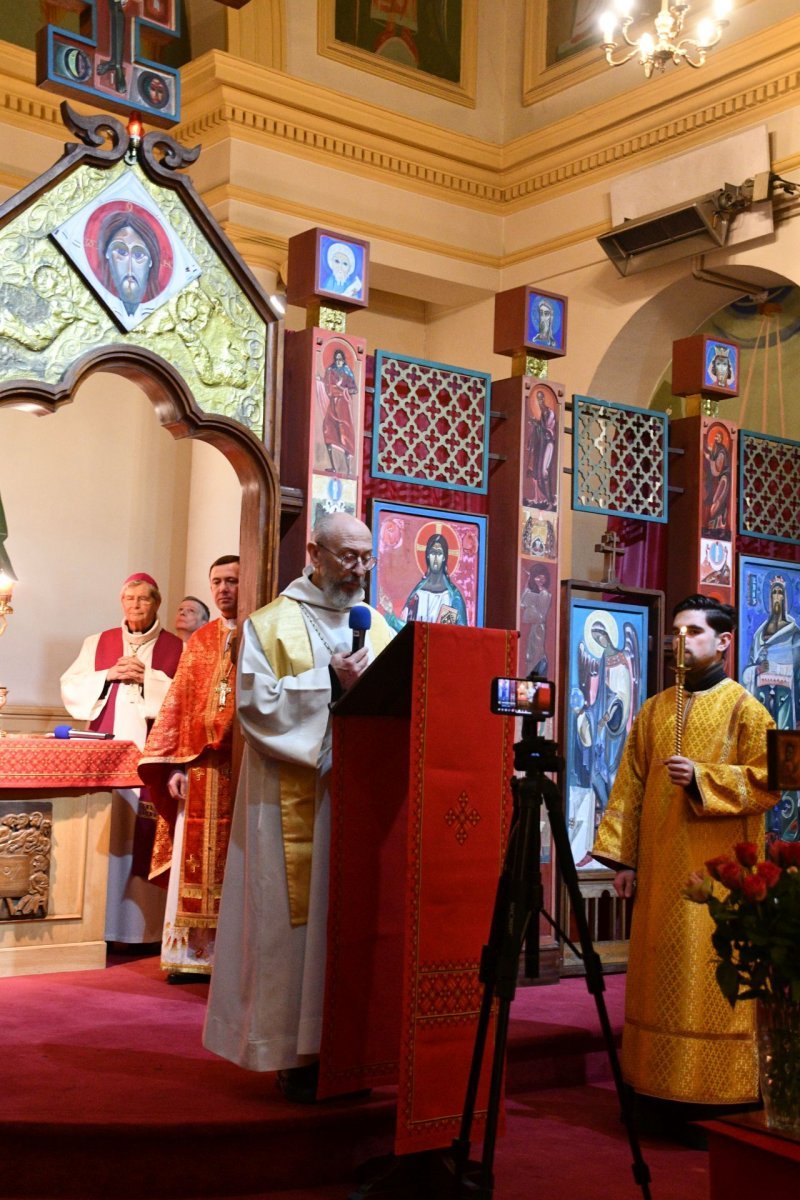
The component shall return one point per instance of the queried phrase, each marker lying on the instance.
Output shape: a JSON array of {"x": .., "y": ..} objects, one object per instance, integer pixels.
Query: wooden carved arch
[
  {"x": 177, "y": 412},
  {"x": 103, "y": 143}
]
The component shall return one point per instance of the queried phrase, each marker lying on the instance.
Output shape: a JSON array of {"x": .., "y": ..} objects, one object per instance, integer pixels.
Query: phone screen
[{"x": 523, "y": 697}]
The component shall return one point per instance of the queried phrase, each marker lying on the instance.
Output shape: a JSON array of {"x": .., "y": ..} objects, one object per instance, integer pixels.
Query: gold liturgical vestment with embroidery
[{"x": 681, "y": 1039}]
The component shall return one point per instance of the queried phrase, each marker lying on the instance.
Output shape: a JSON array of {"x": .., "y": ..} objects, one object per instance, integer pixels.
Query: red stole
[
  {"x": 194, "y": 730},
  {"x": 166, "y": 656}
]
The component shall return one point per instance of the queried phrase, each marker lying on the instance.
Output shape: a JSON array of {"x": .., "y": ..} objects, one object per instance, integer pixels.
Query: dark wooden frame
[
  {"x": 306, "y": 270},
  {"x": 653, "y": 600},
  {"x": 511, "y": 319}
]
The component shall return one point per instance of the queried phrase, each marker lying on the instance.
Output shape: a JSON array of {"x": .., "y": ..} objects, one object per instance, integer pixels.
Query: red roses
[{"x": 756, "y": 935}]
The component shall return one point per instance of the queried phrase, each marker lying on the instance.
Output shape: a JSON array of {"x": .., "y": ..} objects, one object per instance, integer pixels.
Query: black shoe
[
  {"x": 299, "y": 1084},
  {"x": 134, "y": 949},
  {"x": 188, "y": 977},
  {"x": 691, "y": 1135}
]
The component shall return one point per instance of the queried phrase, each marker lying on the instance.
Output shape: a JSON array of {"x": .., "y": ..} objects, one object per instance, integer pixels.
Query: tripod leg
[
  {"x": 594, "y": 973},
  {"x": 499, "y": 968},
  {"x": 461, "y": 1144}
]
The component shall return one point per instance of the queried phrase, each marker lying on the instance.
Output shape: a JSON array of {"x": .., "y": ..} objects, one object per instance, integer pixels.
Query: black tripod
[{"x": 518, "y": 906}]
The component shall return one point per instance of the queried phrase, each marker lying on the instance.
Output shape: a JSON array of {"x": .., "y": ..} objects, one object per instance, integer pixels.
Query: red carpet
[{"x": 109, "y": 1094}]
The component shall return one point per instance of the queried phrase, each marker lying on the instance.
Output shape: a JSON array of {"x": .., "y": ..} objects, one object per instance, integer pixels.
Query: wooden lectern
[{"x": 420, "y": 810}]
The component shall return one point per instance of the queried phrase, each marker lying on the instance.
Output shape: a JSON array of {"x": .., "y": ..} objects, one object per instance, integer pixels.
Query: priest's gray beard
[{"x": 337, "y": 595}]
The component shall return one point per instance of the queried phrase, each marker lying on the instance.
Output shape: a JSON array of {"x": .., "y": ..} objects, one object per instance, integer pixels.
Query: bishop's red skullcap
[{"x": 141, "y": 577}]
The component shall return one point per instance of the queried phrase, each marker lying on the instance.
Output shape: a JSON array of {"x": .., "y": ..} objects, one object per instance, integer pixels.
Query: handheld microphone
[
  {"x": 360, "y": 621},
  {"x": 66, "y": 731}
]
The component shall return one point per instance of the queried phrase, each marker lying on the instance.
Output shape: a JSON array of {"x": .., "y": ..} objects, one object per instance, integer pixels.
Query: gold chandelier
[{"x": 667, "y": 43}]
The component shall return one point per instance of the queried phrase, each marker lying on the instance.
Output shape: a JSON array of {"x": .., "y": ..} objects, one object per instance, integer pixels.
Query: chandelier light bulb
[
  {"x": 608, "y": 23},
  {"x": 706, "y": 33}
]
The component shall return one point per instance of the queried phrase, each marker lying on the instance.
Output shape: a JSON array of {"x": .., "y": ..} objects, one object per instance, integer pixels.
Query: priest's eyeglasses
[{"x": 350, "y": 560}]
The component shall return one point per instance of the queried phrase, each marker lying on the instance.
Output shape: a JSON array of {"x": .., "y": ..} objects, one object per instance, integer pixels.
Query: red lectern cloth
[
  {"x": 420, "y": 813},
  {"x": 39, "y": 762}
]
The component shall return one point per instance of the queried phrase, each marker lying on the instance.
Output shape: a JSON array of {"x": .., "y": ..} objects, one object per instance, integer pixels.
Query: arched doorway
[{"x": 200, "y": 340}]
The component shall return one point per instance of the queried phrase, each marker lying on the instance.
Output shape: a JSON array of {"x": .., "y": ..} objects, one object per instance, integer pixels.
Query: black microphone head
[{"x": 360, "y": 617}]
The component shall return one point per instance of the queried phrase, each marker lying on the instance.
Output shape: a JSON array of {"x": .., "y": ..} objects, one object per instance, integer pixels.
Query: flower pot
[{"x": 778, "y": 1027}]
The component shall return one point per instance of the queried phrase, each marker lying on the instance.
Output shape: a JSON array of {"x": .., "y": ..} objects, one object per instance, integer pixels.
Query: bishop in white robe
[{"x": 117, "y": 684}]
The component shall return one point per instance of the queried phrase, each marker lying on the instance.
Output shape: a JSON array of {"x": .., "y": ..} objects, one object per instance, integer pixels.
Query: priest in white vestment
[
  {"x": 117, "y": 684},
  {"x": 265, "y": 1004}
]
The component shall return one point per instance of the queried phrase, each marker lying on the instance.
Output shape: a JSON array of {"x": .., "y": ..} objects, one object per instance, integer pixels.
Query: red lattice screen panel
[
  {"x": 769, "y": 487},
  {"x": 431, "y": 423}
]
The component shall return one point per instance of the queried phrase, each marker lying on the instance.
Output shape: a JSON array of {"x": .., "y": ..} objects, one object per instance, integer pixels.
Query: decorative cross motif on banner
[
  {"x": 104, "y": 61},
  {"x": 463, "y": 817}
]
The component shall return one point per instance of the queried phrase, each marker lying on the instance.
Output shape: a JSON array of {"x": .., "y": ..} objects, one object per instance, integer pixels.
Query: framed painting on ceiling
[{"x": 426, "y": 44}]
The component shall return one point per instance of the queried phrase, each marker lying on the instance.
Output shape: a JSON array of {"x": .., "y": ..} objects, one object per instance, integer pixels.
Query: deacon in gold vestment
[{"x": 668, "y": 814}]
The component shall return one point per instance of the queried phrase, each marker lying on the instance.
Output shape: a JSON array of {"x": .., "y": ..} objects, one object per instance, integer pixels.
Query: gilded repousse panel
[{"x": 49, "y": 317}]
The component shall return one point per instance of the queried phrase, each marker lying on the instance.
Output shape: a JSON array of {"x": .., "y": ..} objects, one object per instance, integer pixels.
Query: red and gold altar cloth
[
  {"x": 43, "y": 762},
  {"x": 421, "y": 803}
]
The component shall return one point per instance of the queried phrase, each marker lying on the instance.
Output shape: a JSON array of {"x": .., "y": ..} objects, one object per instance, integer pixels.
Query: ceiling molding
[
  {"x": 223, "y": 195},
  {"x": 228, "y": 97},
  {"x": 754, "y": 79},
  {"x": 267, "y": 249}
]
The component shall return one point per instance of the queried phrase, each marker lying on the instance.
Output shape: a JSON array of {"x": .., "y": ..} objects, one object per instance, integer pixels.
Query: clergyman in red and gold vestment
[
  {"x": 669, "y": 814},
  {"x": 187, "y": 763}
]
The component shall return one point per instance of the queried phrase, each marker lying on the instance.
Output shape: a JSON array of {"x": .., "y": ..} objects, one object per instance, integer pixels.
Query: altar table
[{"x": 75, "y": 779}]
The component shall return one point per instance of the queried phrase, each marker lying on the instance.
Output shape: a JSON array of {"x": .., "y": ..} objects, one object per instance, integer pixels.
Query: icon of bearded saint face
[
  {"x": 129, "y": 262},
  {"x": 341, "y": 269},
  {"x": 129, "y": 253}
]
